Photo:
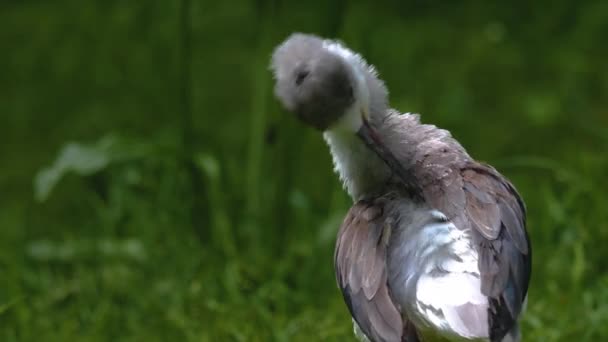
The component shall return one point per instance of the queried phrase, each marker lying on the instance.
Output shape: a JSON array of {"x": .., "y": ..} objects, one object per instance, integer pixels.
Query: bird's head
[
  {"x": 332, "y": 88},
  {"x": 323, "y": 83}
]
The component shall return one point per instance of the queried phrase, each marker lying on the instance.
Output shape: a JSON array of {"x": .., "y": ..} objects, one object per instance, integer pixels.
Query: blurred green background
[{"x": 153, "y": 189}]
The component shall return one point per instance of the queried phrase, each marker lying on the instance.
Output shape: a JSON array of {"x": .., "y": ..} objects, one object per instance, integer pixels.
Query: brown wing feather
[
  {"x": 476, "y": 196},
  {"x": 360, "y": 261},
  {"x": 495, "y": 211}
]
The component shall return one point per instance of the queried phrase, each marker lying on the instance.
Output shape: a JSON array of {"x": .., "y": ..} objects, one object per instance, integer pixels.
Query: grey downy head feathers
[{"x": 322, "y": 82}]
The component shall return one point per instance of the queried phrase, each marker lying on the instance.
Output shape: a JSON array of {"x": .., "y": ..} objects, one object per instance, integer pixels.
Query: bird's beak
[{"x": 372, "y": 139}]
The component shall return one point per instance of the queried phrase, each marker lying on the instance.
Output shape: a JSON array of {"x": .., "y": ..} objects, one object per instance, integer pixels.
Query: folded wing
[
  {"x": 360, "y": 261},
  {"x": 482, "y": 200}
]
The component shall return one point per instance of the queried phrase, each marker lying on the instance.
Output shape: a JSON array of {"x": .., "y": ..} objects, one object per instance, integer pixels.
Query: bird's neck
[{"x": 361, "y": 170}]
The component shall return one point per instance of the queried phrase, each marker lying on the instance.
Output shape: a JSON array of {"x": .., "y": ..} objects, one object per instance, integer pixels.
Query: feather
[
  {"x": 513, "y": 224},
  {"x": 496, "y": 215},
  {"x": 365, "y": 287}
]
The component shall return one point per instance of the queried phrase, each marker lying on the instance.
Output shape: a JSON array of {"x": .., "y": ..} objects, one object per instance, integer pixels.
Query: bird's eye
[{"x": 300, "y": 76}]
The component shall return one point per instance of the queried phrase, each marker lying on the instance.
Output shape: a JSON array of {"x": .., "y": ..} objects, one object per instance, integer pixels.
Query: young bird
[{"x": 435, "y": 246}]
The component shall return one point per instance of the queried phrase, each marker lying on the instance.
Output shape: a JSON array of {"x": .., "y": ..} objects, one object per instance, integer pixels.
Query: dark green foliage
[{"x": 221, "y": 226}]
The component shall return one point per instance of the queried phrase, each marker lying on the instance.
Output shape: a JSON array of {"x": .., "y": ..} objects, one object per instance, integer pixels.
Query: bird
[{"x": 435, "y": 246}]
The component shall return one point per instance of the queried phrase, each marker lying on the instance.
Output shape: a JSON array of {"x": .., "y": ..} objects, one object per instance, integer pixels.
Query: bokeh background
[{"x": 152, "y": 189}]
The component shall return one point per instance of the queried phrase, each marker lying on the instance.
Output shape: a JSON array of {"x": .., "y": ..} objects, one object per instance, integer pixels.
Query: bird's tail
[{"x": 513, "y": 335}]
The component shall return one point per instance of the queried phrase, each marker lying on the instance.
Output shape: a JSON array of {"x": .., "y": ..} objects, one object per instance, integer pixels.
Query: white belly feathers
[{"x": 435, "y": 277}]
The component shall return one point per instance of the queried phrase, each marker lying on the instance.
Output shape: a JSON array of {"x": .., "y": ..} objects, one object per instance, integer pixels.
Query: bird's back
[
  {"x": 434, "y": 275},
  {"x": 398, "y": 257}
]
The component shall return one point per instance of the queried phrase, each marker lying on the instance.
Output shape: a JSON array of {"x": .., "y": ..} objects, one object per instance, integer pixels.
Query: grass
[
  {"x": 130, "y": 267},
  {"x": 113, "y": 252}
]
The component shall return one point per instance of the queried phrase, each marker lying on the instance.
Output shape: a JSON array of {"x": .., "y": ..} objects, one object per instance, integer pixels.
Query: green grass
[
  {"x": 129, "y": 266},
  {"x": 126, "y": 248}
]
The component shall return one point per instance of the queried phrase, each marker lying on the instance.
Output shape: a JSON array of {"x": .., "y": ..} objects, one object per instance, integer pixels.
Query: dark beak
[{"x": 372, "y": 139}]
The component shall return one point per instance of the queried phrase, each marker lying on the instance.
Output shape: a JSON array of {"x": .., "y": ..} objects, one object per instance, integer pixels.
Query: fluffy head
[{"x": 325, "y": 84}]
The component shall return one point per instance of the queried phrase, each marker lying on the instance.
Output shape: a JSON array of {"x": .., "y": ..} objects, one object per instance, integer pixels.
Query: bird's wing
[
  {"x": 360, "y": 261},
  {"x": 480, "y": 198}
]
